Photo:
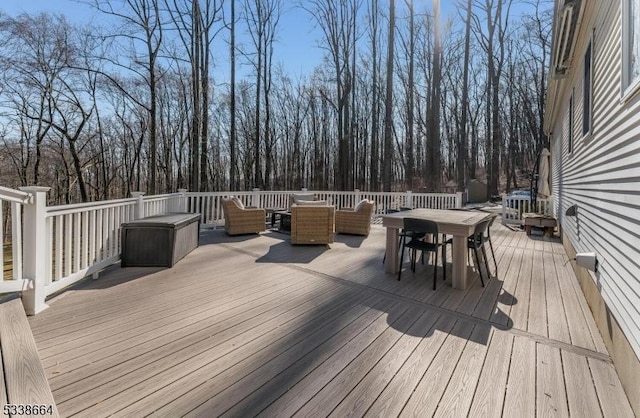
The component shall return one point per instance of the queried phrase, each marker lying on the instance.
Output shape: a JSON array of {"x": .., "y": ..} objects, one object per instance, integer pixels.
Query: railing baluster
[
  {"x": 48, "y": 278},
  {"x": 76, "y": 242},
  {"x": 68, "y": 239},
  {"x": 16, "y": 240},
  {"x": 59, "y": 251},
  {"x": 84, "y": 260},
  {"x": 92, "y": 237}
]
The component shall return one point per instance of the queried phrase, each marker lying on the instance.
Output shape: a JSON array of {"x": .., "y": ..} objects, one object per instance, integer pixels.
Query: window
[
  {"x": 630, "y": 46},
  {"x": 586, "y": 99},
  {"x": 570, "y": 127}
]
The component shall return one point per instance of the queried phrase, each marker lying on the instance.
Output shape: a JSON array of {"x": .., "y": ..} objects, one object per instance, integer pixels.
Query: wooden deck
[{"x": 251, "y": 325}]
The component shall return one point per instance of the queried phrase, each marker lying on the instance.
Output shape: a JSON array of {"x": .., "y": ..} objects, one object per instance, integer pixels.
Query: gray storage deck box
[{"x": 159, "y": 241}]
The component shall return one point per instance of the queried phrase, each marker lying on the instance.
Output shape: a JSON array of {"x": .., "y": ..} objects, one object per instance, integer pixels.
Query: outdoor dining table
[{"x": 458, "y": 223}]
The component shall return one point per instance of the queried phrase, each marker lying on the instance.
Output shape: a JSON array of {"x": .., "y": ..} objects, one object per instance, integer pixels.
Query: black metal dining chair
[
  {"x": 415, "y": 228},
  {"x": 488, "y": 239},
  {"x": 402, "y": 234},
  {"x": 476, "y": 243}
]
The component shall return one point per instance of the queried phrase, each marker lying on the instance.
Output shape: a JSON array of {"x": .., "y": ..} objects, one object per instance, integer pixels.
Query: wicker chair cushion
[
  {"x": 238, "y": 202},
  {"x": 360, "y": 204},
  {"x": 311, "y": 203},
  {"x": 303, "y": 196}
]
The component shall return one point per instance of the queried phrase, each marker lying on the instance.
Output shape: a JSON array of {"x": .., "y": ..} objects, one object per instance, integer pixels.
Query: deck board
[
  {"x": 520, "y": 397},
  {"x": 299, "y": 382},
  {"x": 581, "y": 393},
  {"x": 3, "y": 389},
  {"x": 489, "y": 395},
  {"x": 215, "y": 396},
  {"x": 537, "y": 323},
  {"x": 458, "y": 396},
  {"x": 189, "y": 356},
  {"x": 551, "y": 396},
  {"x": 378, "y": 377},
  {"x": 558, "y": 328},
  {"x": 612, "y": 402},
  {"x": 251, "y": 325},
  {"x": 519, "y": 310},
  {"x": 395, "y": 395},
  {"x": 426, "y": 396},
  {"x": 145, "y": 348},
  {"x": 23, "y": 379}
]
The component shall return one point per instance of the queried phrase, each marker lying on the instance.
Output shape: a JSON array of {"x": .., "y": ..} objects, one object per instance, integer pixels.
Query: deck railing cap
[{"x": 35, "y": 189}]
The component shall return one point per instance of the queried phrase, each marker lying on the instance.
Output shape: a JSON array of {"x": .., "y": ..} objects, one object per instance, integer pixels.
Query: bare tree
[
  {"x": 374, "y": 174},
  {"x": 142, "y": 24},
  {"x": 337, "y": 22},
  {"x": 462, "y": 138},
  {"x": 233, "y": 135},
  {"x": 493, "y": 42},
  {"x": 388, "y": 105},
  {"x": 195, "y": 21},
  {"x": 433, "y": 172},
  {"x": 262, "y": 18}
]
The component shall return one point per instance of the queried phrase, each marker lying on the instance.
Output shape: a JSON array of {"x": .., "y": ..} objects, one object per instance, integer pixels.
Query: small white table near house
[{"x": 458, "y": 223}]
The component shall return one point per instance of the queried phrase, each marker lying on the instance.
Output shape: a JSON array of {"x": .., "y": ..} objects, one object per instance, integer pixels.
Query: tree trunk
[
  {"x": 461, "y": 159},
  {"x": 388, "y": 113}
]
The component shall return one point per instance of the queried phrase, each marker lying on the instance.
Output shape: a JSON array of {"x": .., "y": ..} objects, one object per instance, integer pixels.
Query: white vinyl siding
[{"x": 601, "y": 176}]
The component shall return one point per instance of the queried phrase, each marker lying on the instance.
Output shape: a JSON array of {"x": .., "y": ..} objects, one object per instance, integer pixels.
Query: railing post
[
  {"x": 255, "y": 197},
  {"x": 36, "y": 246},
  {"x": 408, "y": 199},
  {"x": 459, "y": 199},
  {"x": 139, "y": 204},
  {"x": 504, "y": 209},
  {"x": 182, "y": 204}
]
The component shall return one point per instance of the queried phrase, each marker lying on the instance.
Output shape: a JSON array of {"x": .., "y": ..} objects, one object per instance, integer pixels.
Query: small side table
[
  {"x": 285, "y": 221},
  {"x": 536, "y": 220},
  {"x": 271, "y": 214}
]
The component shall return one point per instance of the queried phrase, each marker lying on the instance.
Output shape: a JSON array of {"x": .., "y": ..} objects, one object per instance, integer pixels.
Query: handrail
[
  {"x": 14, "y": 196},
  {"x": 82, "y": 207}
]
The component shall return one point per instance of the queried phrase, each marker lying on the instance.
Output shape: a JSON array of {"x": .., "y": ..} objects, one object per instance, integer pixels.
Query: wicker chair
[
  {"x": 240, "y": 220},
  {"x": 312, "y": 224},
  {"x": 356, "y": 221}
]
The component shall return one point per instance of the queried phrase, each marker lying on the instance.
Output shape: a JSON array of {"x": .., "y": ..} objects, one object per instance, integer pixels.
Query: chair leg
[
  {"x": 444, "y": 262},
  {"x": 486, "y": 262},
  {"x": 435, "y": 269},
  {"x": 493, "y": 254},
  {"x": 478, "y": 266}
]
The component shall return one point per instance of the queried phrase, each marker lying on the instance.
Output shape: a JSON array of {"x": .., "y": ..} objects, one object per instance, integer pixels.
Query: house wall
[{"x": 602, "y": 177}]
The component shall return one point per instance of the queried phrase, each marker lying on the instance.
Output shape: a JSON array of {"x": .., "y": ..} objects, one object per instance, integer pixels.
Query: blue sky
[{"x": 297, "y": 48}]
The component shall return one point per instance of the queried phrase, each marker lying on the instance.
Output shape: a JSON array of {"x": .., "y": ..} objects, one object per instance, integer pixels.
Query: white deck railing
[
  {"x": 11, "y": 202},
  {"x": 514, "y": 207},
  {"x": 63, "y": 244},
  {"x": 54, "y": 247}
]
